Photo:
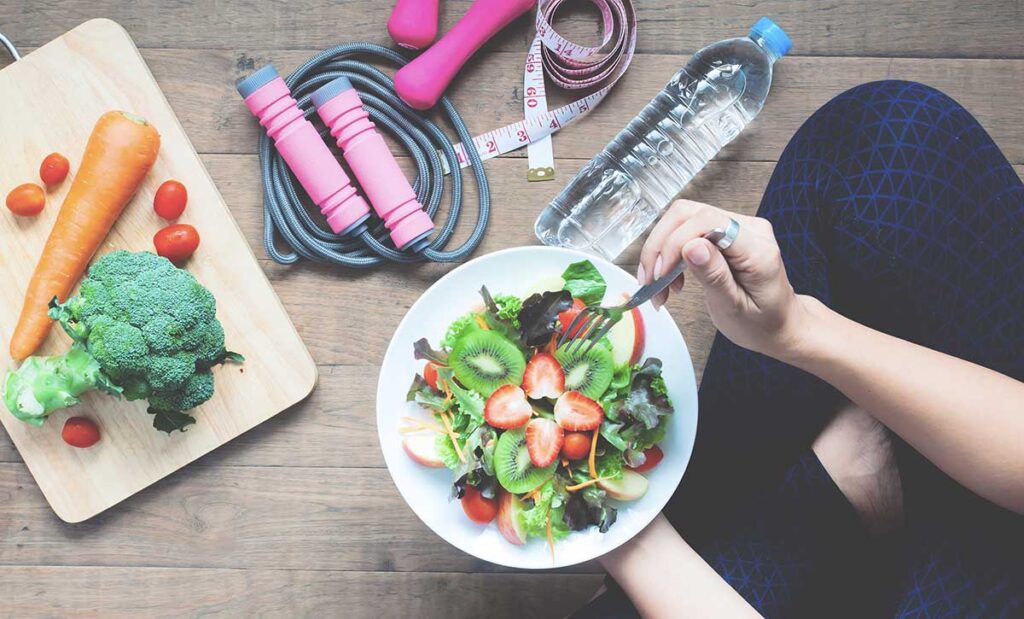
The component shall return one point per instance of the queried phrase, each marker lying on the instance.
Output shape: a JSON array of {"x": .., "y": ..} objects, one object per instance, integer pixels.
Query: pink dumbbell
[
  {"x": 371, "y": 161},
  {"x": 422, "y": 82},
  {"x": 268, "y": 98},
  {"x": 413, "y": 23}
]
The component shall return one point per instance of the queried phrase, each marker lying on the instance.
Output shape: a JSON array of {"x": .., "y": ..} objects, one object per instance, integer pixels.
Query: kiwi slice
[
  {"x": 485, "y": 360},
  {"x": 589, "y": 372},
  {"x": 512, "y": 464}
]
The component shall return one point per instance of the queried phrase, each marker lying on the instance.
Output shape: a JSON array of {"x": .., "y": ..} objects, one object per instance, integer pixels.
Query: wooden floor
[{"x": 300, "y": 517}]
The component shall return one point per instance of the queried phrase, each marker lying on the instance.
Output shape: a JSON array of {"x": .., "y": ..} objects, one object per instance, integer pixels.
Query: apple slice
[
  {"x": 421, "y": 449},
  {"x": 628, "y": 337},
  {"x": 509, "y": 507},
  {"x": 630, "y": 487},
  {"x": 551, "y": 283}
]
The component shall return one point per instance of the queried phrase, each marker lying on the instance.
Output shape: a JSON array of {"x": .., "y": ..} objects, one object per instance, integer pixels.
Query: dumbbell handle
[
  {"x": 413, "y": 23},
  {"x": 422, "y": 82}
]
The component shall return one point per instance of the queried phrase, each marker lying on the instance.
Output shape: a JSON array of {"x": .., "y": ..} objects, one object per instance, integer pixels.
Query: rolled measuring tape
[{"x": 569, "y": 66}]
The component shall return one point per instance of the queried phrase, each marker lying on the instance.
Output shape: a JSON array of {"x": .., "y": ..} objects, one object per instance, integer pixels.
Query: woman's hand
[{"x": 748, "y": 294}]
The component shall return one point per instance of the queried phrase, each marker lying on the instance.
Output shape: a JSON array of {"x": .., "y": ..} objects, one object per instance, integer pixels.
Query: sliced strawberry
[
  {"x": 576, "y": 412},
  {"x": 543, "y": 440},
  {"x": 544, "y": 377},
  {"x": 565, "y": 318},
  {"x": 507, "y": 408}
]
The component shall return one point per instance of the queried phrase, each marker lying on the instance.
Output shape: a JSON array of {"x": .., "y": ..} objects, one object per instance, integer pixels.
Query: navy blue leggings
[{"x": 894, "y": 207}]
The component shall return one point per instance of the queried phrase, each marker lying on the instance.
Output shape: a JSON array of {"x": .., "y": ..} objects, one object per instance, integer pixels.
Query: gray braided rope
[{"x": 284, "y": 213}]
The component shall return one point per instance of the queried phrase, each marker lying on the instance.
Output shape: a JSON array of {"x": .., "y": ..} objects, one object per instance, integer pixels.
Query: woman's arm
[
  {"x": 664, "y": 577},
  {"x": 966, "y": 419}
]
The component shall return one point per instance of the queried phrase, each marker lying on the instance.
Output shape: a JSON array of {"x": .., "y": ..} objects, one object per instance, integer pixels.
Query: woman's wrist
[{"x": 811, "y": 329}]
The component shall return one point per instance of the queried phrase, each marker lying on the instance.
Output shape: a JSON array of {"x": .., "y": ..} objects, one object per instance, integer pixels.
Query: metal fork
[{"x": 593, "y": 323}]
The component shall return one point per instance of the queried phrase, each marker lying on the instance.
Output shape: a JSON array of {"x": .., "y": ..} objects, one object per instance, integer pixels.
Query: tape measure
[{"x": 569, "y": 66}]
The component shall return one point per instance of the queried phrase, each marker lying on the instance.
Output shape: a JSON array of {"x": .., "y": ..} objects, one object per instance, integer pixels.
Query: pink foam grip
[
  {"x": 422, "y": 82},
  {"x": 413, "y": 23},
  {"x": 307, "y": 155},
  {"x": 375, "y": 168}
]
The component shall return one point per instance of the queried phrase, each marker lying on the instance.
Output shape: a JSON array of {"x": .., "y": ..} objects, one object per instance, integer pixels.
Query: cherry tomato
[
  {"x": 170, "y": 199},
  {"x": 54, "y": 169},
  {"x": 479, "y": 508},
  {"x": 576, "y": 445},
  {"x": 654, "y": 456},
  {"x": 565, "y": 318},
  {"x": 176, "y": 242},
  {"x": 80, "y": 432},
  {"x": 28, "y": 199},
  {"x": 430, "y": 375}
]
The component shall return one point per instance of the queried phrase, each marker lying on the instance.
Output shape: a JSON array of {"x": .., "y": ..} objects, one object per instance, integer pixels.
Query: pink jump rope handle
[
  {"x": 268, "y": 98},
  {"x": 413, "y": 23},
  {"x": 373, "y": 164},
  {"x": 422, "y": 82}
]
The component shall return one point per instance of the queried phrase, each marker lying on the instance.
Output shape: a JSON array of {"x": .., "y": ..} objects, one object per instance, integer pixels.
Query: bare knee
[{"x": 857, "y": 453}]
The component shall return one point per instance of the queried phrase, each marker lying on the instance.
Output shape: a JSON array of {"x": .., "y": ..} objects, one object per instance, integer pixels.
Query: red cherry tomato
[
  {"x": 26, "y": 200},
  {"x": 654, "y": 456},
  {"x": 176, "y": 242},
  {"x": 430, "y": 375},
  {"x": 565, "y": 318},
  {"x": 54, "y": 169},
  {"x": 170, "y": 200},
  {"x": 80, "y": 432},
  {"x": 576, "y": 445},
  {"x": 479, "y": 508}
]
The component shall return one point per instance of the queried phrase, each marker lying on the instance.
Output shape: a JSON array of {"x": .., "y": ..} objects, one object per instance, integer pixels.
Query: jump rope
[{"x": 353, "y": 99}]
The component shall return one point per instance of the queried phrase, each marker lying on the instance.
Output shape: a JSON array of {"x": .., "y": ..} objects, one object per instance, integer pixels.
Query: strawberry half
[
  {"x": 576, "y": 412},
  {"x": 543, "y": 440},
  {"x": 544, "y": 377},
  {"x": 507, "y": 408}
]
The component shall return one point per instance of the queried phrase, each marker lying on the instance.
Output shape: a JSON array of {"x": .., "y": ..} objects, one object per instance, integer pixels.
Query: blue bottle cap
[
  {"x": 256, "y": 81},
  {"x": 774, "y": 37},
  {"x": 330, "y": 90}
]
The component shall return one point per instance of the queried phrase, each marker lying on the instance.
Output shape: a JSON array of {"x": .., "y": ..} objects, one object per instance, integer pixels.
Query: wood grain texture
[
  {"x": 200, "y": 87},
  {"x": 159, "y": 592},
  {"x": 103, "y": 71},
  {"x": 948, "y": 28},
  {"x": 277, "y": 517}
]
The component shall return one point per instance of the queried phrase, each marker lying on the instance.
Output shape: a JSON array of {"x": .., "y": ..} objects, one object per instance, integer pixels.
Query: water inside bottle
[{"x": 619, "y": 193}]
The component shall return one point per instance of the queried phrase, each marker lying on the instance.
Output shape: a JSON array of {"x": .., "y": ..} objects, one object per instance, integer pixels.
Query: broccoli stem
[{"x": 45, "y": 384}]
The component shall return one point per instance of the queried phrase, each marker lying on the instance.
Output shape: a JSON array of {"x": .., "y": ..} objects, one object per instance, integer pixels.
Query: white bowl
[{"x": 426, "y": 490}]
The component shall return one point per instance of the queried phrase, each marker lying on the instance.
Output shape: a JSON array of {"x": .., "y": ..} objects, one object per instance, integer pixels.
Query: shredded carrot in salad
[
  {"x": 593, "y": 455},
  {"x": 482, "y": 323},
  {"x": 453, "y": 436}
]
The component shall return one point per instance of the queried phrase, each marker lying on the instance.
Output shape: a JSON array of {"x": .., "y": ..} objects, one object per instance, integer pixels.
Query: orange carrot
[{"x": 119, "y": 154}]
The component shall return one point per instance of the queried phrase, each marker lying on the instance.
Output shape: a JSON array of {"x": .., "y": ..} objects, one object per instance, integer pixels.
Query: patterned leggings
[{"x": 893, "y": 206}]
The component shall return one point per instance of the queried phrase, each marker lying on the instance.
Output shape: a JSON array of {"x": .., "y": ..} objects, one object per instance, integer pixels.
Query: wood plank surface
[
  {"x": 336, "y": 538},
  {"x": 160, "y": 592},
  {"x": 200, "y": 87},
  {"x": 946, "y": 28}
]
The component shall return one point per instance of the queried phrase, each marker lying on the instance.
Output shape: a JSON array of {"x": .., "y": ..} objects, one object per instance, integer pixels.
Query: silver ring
[{"x": 724, "y": 238}]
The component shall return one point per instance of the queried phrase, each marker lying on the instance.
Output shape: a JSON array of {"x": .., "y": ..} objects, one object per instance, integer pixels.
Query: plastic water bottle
[{"x": 619, "y": 193}]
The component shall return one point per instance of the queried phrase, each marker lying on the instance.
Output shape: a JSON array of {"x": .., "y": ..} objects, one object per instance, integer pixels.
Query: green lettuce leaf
[
  {"x": 423, "y": 394},
  {"x": 585, "y": 282},
  {"x": 460, "y": 326},
  {"x": 509, "y": 307},
  {"x": 446, "y": 451},
  {"x": 534, "y": 520}
]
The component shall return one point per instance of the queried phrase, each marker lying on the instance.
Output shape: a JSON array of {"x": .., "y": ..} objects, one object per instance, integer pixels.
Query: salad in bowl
[{"x": 544, "y": 441}]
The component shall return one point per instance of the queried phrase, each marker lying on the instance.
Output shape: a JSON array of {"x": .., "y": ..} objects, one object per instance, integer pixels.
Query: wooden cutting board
[{"x": 51, "y": 100}]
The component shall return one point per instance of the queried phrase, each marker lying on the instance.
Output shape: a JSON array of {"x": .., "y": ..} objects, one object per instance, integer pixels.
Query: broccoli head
[{"x": 142, "y": 328}]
